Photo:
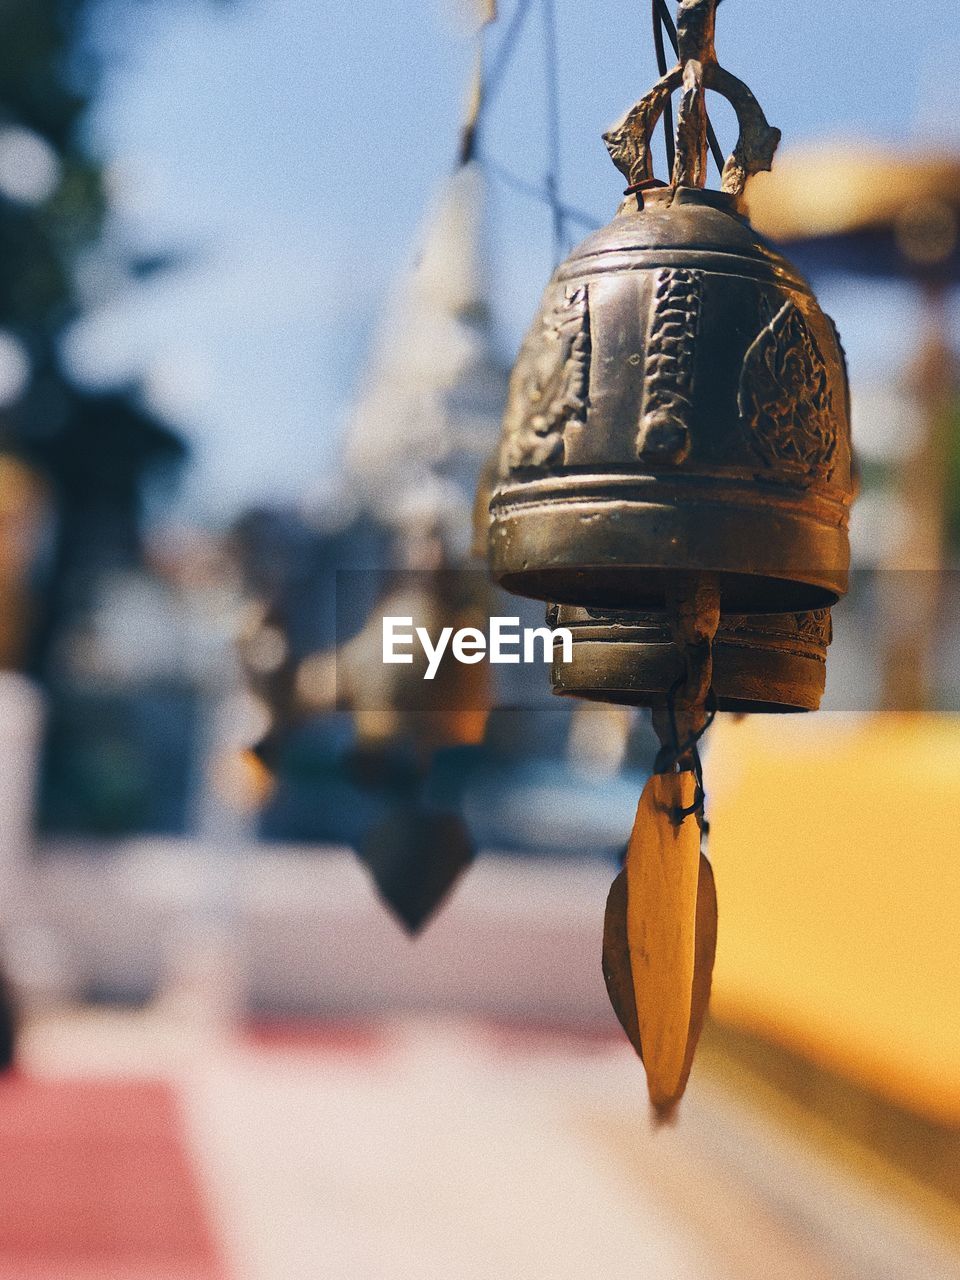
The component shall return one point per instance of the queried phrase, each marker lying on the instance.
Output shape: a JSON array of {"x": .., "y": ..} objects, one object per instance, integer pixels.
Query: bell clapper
[{"x": 661, "y": 919}]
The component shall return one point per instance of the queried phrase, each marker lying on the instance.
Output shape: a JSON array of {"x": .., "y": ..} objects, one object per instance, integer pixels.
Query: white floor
[{"x": 453, "y": 1151}]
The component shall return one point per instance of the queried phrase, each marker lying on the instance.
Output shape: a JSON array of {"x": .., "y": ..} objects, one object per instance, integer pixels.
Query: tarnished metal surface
[
  {"x": 679, "y": 404},
  {"x": 768, "y": 663},
  {"x": 677, "y": 440}
]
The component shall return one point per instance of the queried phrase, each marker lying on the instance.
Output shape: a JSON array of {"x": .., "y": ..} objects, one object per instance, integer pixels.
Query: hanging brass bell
[
  {"x": 761, "y": 663},
  {"x": 681, "y": 402}
]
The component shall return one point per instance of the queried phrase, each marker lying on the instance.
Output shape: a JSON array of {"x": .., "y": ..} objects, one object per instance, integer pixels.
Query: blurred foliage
[
  {"x": 114, "y": 761},
  {"x": 97, "y": 451},
  {"x": 47, "y": 80},
  {"x": 116, "y": 764}
]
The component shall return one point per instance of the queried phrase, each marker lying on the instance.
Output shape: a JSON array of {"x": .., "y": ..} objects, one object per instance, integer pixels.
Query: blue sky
[{"x": 293, "y": 146}]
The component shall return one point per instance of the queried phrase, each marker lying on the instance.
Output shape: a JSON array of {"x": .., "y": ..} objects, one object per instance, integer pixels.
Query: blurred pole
[
  {"x": 911, "y": 586},
  {"x": 23, "y": 514},
  {"x": 21, "y": 722},
  {"x": 21, "y": 726},
  {"x": 204, "y": 983}
]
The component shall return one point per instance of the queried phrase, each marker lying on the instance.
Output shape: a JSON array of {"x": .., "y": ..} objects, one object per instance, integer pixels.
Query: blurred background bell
[
  {"x": 419, "y": 434},
  {"x": 868, "y": 212}
]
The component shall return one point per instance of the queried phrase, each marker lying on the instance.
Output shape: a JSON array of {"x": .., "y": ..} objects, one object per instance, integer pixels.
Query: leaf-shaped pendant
[
  {"x": 705, "y": 952},
  {"x": 416, "y": 857},
  {"x": 660, "y": 937},
  {"x": 618, "y": 974},
  {"x": 663, "y": 869}
]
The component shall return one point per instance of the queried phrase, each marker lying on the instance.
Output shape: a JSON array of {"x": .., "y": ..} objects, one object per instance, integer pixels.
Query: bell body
[
  {"x": 765, "y": 663},
  {"x": 679, "y": 405}
]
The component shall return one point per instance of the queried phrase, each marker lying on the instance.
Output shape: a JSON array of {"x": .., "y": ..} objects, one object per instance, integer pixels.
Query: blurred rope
[
  {"x": 501, "y": 60},
  {"x": 552, "y": 181},
  {"x": 525, "y": 188},
  {"x": 486, "y": 87},
  {"x": 487, "y": 83}
]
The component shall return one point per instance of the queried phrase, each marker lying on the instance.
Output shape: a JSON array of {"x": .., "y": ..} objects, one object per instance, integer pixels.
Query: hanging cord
[
  {"x": 570, "y": 212},
  {"x": 487, "y": 85},
  {"x": 501, "y": 61},
  {"x": 476, "y": 103},
  {"x": 693, "y": 606},
  {"x": 552, "y": 180},
  {"x": 666, "y": 23},
  {"x": 674, "y": 752},
  {"x": 662, "y": 68}
]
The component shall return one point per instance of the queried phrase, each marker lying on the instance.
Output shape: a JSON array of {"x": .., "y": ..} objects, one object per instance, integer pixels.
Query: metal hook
[{"x": 698, "y": 70}]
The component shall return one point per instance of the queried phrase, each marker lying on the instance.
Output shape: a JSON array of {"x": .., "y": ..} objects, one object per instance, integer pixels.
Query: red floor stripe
[
  {"x": 336, "y": 1039},
  {"x": 522, "y": 1038},
  {"x": 96, "y": 1183}
]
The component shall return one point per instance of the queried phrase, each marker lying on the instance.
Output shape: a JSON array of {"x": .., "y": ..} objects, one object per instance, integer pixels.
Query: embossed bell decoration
[{"x": 681, "y": 401}]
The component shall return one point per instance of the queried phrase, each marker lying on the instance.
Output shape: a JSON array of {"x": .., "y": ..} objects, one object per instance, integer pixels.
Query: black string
[
  {"x": 505, "y": 51},
  {"x": 662, "y": 68},
  {"x": 540, "y": 194},
  {"x": 491, "y": 80},
  {"x": 674, "y": 751},
  {"x": 718, "y": 157},
  {"x": 552, "y": 180}
]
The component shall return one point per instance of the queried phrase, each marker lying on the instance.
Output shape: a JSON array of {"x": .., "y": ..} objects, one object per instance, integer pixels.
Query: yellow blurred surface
[
  {"x": 843, "y": 187},
  {"x": 836, "y": 843}
]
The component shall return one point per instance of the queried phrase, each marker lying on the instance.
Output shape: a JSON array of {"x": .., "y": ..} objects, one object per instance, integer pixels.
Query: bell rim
[
  {"x": 771, "y": 632},
  {"x": 615, "y": 546},
  {"x": 831, "y": 501},
  {"x": 753, "y": 679}
]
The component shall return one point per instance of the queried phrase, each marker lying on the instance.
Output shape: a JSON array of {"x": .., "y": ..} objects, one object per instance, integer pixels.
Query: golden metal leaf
[
  {"x": 663, "y": 874},
  {"x": 618, "y": 974},
  {"x": 704, "y": 955}
]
